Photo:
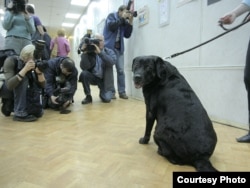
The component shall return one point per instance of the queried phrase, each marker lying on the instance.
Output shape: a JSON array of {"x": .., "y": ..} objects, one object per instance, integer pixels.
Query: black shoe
[
  {"x": 123, "y": 96},
  {"x": 27, "y": 118},
  {"x": 245, "y": 139},
  {"x": 87, "y": 100}
]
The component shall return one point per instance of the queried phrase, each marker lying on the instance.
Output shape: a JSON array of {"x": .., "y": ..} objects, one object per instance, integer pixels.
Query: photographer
[
  {"x": 61, "y": 83},
  {"x": 118, "y": 25},
  {"x": 97, "y": 68},
  {"x": 19, "y": 26},
  {"x": 21, "y": 73}
]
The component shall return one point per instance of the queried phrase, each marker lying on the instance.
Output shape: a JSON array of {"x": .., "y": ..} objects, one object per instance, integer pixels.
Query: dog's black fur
[{"x": 184, "y": 133}]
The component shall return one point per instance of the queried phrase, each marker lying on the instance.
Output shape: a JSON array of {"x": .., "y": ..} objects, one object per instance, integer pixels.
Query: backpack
[
  {"x": 7, "y": 96},
  {"x": 4, "y": 54}
]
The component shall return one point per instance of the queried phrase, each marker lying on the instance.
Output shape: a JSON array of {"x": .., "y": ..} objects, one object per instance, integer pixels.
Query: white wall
[{"x": 215, "y": 71}]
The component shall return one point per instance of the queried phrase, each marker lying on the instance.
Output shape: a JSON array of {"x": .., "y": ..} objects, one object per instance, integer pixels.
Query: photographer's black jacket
[{"x": 53, "y": 71}]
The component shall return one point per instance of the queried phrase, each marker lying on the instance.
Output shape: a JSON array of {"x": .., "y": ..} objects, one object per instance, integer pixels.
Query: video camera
[
  {"x": 89, "y": 44},
  {"x": 39, "y": 48},
  {"x": 134, "y": 13}
]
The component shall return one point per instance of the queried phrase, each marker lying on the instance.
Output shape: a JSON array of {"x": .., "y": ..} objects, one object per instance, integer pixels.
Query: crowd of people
[{"x": 42, "y": 72}]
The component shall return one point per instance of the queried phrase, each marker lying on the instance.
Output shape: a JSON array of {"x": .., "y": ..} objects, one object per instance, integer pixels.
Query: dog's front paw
[{"x": 144, "y": 140}]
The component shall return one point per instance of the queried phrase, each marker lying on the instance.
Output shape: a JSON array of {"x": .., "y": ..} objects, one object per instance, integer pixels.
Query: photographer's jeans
[
  {"x": 20, "y": 104},
  {"x": 120, "y": 73}
]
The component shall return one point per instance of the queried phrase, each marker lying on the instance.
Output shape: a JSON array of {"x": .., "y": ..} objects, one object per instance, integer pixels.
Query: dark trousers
[
  {"x": 247, "y": 79},
  {"x": 87, "y": 79}
]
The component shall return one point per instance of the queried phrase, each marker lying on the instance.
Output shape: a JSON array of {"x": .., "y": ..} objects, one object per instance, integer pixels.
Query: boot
[{"x": 87, "y": 100}]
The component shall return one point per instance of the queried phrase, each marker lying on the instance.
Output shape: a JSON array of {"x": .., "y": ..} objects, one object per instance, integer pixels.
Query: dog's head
[{"x": 148, "y": 68}]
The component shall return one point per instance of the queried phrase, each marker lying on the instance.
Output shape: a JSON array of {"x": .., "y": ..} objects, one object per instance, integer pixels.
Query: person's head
[
  {"x": 67, "y": 66},
  {"x": 100, "y": 37},
  {"x": 61, "y": 32},
  {"x": 19, "y": 6},
  {"x": 30, "y": 9},
  {"x": 27, "y": 52},
  {"x": 122, "y": 9}
]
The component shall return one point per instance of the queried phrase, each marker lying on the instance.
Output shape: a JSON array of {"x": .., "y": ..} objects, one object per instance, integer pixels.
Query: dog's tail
[{"x": 204, "y": 165}]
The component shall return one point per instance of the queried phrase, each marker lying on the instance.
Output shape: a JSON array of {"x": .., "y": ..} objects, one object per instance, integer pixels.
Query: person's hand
[
  {"x": 53, "y": 99},
  {"x": 29, "y": 65},
  {"x": 38, "y": 71},
  {"x": 97, "y": 49},
  {"x": 10, "y": 5},
  {"x": 227, "y": 19},
  {"x": 83, "y": 48},
  {"x": 130, "y": 18},
  {"x": 26, "y": 15}
]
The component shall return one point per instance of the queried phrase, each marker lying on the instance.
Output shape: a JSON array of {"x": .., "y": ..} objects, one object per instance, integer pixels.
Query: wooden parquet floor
[{"x": 96, "y": 146}]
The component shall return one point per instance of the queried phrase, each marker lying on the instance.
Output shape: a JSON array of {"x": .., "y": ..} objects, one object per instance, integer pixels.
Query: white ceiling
[{"x": 52, "y": 13}]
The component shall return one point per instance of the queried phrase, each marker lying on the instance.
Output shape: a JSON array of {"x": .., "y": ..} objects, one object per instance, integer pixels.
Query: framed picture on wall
[
  {"x": 143, "y": 16},
  {"x": 164, "y": 15}
]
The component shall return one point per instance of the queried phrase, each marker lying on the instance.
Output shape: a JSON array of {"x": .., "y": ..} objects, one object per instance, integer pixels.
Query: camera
[
  {"x": 62, "y": 90},
  {"x": 134, "y": 13},
  {"x": 42, "y": 65},
  {"x": 18, "y": 5},
  {"x": 39, "y": 49},
  {"x": 89, "y": 44}
]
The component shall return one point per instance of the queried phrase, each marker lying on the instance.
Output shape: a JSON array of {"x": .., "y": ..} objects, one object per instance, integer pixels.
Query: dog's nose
[{"x": 137, "y": 77}]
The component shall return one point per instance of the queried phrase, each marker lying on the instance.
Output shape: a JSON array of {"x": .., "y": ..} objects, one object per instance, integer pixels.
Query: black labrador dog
[{"x": 183, "y": 133}]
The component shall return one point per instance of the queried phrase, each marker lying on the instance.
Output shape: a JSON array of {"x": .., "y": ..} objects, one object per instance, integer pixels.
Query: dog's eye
[{"x": 148, "y": 68}]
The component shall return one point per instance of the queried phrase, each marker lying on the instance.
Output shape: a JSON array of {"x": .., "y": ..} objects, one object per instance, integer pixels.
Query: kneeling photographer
[
  {"x": 97, "y": 68},
  {"x": 61, "y": 83},
  {"x": 24, "y": 77}
]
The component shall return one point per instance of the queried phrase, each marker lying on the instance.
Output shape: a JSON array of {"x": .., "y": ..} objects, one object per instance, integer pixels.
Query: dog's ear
[
  {"x": 160, "y": 67},
  {"x": 164, "y": 69},
  {"x": 133, "y": 63}
]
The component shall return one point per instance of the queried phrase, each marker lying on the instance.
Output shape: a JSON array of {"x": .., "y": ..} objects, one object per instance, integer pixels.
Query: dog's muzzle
[{"x": 138, "y": 81}]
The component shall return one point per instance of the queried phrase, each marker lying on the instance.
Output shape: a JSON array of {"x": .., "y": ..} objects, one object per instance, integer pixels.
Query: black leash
[{"x": 226, "y": 31}]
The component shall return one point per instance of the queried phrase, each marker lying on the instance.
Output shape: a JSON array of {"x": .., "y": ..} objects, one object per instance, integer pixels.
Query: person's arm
[
  {"x": 108, "y": 56},
  {"x": 8, "y": 20},
  {"x": 30, "y": 23},
  {"x": 40, "y": 29},
  {"x": 231, "y": 16},
  {"x": 67, "y": 46},
  {"x": 12, "y": 78},
  {"x": 113, "y": 23}
]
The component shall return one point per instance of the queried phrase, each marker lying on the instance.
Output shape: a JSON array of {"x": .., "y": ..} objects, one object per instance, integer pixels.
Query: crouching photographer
[
  {"x": 97, "y": 68},
  {"x": 61, "y": 83},
  {"x": 26, "y": 80}
]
